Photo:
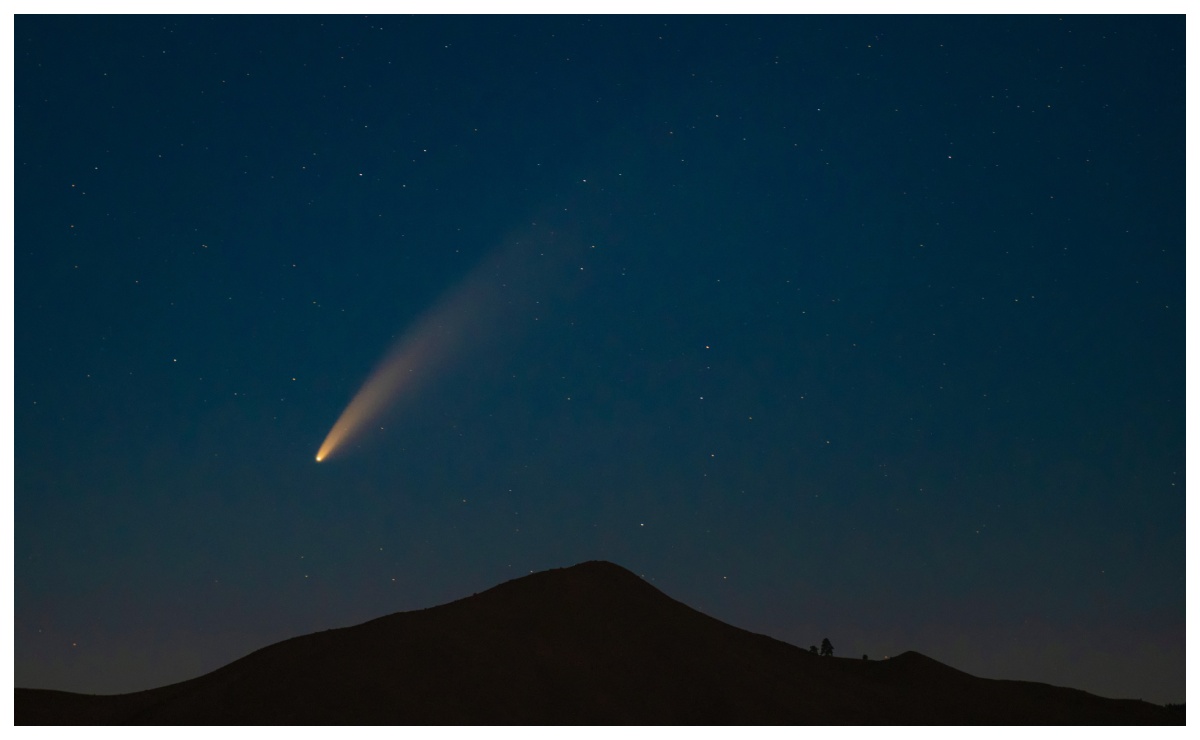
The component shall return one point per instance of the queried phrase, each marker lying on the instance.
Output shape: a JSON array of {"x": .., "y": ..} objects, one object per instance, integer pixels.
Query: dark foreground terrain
[{"x": 590, "y": 644}]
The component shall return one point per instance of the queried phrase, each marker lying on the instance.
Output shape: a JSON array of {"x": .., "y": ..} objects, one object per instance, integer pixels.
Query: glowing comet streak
[
  {"x": 372, "y": 399},
  {"x": 404, "y": 367},
  {"x": 469, "y": 314}
]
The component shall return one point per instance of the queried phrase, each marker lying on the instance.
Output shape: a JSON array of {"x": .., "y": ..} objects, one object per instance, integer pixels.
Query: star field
[{"x": 860, "y": 328}]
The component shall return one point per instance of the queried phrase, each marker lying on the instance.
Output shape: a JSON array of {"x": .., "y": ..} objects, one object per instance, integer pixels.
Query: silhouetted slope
[{"x": 588, "y": 644}]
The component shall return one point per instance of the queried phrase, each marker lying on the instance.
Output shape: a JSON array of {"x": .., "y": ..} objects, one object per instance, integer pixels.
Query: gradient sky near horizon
[{"x": 867, "y": 328}]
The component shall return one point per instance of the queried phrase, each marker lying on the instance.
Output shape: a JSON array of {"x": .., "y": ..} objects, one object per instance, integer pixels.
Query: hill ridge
[{"x": 591, "y": 643}]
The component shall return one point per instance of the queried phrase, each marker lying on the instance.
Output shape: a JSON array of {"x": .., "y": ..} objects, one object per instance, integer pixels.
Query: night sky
[{"x": 862, "y": 328}]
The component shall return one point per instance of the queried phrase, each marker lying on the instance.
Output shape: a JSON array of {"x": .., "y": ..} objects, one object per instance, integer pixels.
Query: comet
[
  {"x": 468, "y": 316},
  {"x": 406, "y": 365}
]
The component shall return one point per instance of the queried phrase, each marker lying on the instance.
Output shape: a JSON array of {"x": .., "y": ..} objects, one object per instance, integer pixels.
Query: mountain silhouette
[{"x": 589, "y": 644}]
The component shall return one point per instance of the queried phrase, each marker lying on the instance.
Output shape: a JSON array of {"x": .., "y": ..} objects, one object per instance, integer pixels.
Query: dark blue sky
[{"x": 860, "y": 328}]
